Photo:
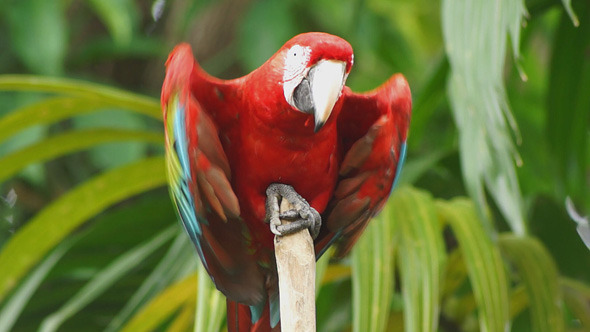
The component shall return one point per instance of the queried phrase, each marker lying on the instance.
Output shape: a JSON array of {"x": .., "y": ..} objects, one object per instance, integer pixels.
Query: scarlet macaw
[{"x": 289, "y": 130}]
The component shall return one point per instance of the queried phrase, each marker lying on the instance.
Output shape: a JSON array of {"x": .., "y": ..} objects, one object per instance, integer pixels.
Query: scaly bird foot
[{"x": 302, "y": 215}]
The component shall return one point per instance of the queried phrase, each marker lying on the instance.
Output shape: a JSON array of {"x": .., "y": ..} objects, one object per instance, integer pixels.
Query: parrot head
[
  {"x": 315, "y": 69},
  {"x": 306, "y": 78}
]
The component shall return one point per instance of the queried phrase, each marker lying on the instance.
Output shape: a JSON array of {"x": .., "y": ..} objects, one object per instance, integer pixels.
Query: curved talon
[
  {"x": 302, "y": 216},
  {"x": 274, "y": 223},
  {"x": 315, "y": 228}
]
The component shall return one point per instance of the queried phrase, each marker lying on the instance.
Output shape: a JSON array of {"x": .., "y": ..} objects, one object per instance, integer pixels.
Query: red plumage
[{"x": 227, "y": 141}]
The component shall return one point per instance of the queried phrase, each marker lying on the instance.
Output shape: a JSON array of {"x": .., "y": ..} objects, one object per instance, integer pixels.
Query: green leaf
[
  {"x": 568, "y": 102},
  {"x": 168, "y": 269},
  {"x": 108, "y": 235},
  {"x": 538, "y": 272},
  {"x": 14, "y": 306},
  {"x": 39, "y": 34},
  {"x": 64, "y": 215},
  {"x": 577, "y": 297},
  {"x": 422, "y": 257},
  {"x": 69, "y": 142},
  {"x": 483, "y": 261},
  {"x": 106, "y": 278},
  {"x": 33, "y": 174},
  {"x": 476, "y": 34},
  {"x": 372, "y": 275},
  {"x": 91, "y": 91},
  {"x": 160, "y": 308},
  {"x": 210, "y": 308},
  {"x": 120, "y": 16},
  {"x": 47, "y": 111},
  {"x": 568, "y": 7}
]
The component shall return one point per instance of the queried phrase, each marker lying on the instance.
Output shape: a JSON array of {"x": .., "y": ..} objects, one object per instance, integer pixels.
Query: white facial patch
[{"x": 296, "y": 61}]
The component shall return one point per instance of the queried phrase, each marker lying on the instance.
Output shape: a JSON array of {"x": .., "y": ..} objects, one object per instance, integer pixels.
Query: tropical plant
[{"x": 475, "y": 238}]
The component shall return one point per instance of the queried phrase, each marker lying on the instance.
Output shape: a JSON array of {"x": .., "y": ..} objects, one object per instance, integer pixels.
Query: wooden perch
[{"x": 295, "y": 257}]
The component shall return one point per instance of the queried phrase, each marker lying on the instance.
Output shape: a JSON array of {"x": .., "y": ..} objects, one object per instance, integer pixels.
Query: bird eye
[{"x": 296, "y": 51}]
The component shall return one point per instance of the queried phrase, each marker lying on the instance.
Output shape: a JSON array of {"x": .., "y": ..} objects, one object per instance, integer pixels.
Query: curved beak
[{"x": 326, "y": 81}]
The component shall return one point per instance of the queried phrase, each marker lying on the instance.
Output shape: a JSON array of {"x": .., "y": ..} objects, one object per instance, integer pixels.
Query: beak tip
[{"x": 318, "y": 126}]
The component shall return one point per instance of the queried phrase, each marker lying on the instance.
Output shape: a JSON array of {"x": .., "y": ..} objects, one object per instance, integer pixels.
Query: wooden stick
[{"x": 295, "y": 257}]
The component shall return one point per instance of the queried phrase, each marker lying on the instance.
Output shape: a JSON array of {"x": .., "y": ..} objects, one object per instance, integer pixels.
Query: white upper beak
[{"x": 326, "y": 86}]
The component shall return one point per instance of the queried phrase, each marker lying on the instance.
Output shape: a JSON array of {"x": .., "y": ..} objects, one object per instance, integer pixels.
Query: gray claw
[{"x": 302, "y": 216}]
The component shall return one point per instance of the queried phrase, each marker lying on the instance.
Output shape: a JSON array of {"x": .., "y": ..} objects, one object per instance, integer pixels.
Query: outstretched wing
[
  {"x": 200, "y": 177},
  {"x": 373, "y": 128}
]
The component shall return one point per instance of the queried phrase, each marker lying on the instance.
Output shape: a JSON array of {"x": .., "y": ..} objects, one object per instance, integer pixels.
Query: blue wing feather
[
  {"x": 180, "y": 176},
  {"x": 400, "y": 164}
]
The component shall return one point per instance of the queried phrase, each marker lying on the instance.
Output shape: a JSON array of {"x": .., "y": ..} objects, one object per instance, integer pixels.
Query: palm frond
[{"x": 476, "y": 34}]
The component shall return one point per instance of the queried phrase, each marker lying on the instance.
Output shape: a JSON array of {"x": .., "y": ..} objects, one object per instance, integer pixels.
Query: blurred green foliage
[{"x": 92, "y": 243}]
